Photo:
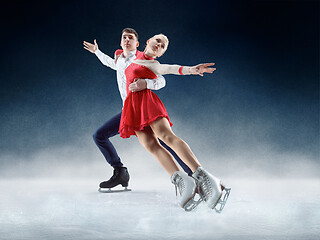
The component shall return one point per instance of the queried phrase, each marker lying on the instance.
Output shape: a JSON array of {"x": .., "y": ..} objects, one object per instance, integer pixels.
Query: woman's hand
[
  {"x": 202, "y": 68},
  {"x": 91, "y": 47}
]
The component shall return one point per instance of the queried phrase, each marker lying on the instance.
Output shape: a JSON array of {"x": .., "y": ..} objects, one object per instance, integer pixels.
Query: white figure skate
[
  {"x": 185, "y": 190},
  {"x": 211, "y": 189}
]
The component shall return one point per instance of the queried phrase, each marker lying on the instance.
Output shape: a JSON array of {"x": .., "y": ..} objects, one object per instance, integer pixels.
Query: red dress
[{"x": 140, "y": 108}]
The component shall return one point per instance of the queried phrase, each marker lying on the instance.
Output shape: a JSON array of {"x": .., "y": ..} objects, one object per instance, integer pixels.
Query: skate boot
[
  {"x": 211, "y": 190},
  {"x": 120, "y": 176},
  {"x": 185, "y": 190}
]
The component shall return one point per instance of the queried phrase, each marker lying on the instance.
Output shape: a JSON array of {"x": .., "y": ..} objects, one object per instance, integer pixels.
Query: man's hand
[
  {"x": 91, "y": 47},
  {"x": 138, "y": 85},
  {"x": 202, "y": 68}
]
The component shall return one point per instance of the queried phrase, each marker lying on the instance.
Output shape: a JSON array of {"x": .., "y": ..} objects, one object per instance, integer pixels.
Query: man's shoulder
[{"x": 118, "y": 52}]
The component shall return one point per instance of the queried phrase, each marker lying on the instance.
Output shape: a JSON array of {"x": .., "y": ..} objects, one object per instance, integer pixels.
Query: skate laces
[
  {"x": 205, "y": 186},
  {"x": 116, "y": 172},
  {"x": 179, "y": 183}
]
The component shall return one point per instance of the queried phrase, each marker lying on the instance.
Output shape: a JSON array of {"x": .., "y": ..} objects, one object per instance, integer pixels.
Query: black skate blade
[{"x": 110, "y": 190}]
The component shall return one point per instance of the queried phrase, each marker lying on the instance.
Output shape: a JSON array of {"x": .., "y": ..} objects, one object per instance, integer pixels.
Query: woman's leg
[
  {"x": 162, "y": 130},
  {"x": 210, "y": 186},
  {"x": 148, "y": 140},
  {"x": 185, "y": 185}
]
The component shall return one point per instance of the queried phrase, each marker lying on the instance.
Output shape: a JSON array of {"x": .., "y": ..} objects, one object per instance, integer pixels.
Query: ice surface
[{"x": 39, "y": 208}]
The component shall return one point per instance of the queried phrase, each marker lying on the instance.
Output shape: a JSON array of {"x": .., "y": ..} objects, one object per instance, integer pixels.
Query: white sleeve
[
  {"x": 163, "y": 69},
  {"x": 156, "y": 84},
  {"x": 172, "y": 69},
  {"x": 105, "y": 59}
]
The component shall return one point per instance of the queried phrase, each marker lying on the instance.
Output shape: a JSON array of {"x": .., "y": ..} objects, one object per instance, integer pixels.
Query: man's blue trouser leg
[
  {"x": 101, "y": 138},
  {"x": 110, "y": 129}
]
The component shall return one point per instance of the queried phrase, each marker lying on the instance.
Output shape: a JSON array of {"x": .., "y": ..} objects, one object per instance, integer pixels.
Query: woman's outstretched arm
[{"x": 162, "y": 69}]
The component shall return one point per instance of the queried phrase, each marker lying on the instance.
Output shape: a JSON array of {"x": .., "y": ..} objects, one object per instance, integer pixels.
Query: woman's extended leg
[
  {"x": 210, "y": 186},
  {"x": 162, "y": 130},
  {"x": 148, "y": 140},
  {"x": 185, "y": 184}
]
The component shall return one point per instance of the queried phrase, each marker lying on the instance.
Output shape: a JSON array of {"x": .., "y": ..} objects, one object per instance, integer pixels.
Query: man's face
[{"x": 129, "y": 41}]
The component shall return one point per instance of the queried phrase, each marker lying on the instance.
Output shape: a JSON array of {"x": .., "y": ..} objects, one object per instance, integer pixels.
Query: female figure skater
[{"x": 145, "y": 116}]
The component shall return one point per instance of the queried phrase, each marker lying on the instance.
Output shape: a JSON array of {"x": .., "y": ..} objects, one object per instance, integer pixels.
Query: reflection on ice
[{"x": 73, "y": 209}]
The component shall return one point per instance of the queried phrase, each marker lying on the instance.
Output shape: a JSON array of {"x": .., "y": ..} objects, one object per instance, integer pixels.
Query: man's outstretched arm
[{"x": 105, "y": 59}]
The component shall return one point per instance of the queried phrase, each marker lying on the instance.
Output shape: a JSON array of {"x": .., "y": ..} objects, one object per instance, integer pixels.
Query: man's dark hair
[{"x": 131, "y": 30}]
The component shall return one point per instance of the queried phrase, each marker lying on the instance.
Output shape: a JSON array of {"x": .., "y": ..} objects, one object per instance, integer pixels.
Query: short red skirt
[{"x": 140, "y": 110}]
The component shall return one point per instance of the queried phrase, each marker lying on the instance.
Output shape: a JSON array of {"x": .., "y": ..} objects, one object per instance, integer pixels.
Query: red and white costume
[{"x": 142, "y": 108}]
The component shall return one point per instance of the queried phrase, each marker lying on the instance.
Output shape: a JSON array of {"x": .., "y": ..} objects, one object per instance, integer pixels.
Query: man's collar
[{"x": 130, "y": 54}]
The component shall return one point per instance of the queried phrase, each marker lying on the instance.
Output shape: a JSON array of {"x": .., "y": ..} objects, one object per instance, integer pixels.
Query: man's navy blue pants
[{"x": 110, "y": 129}]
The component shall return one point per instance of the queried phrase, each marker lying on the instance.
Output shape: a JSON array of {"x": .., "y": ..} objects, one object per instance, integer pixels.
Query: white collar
[{"x": 130, "y": 54}]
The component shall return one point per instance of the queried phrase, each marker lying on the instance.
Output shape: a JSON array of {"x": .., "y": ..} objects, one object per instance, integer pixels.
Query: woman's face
[{"x": 156, "y": 46}]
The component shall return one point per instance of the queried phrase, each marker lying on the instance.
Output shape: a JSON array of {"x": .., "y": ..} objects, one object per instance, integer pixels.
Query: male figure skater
[{"x": 129, "y": 43}]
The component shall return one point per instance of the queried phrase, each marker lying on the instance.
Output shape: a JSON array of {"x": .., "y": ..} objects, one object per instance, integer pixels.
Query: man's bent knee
[
  {"x": 98, "y": 136},
  {"x": 95, "y": 137}
]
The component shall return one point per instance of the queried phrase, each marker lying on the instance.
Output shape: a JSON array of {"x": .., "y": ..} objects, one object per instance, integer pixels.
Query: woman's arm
[{"x": 162, "y": 69}]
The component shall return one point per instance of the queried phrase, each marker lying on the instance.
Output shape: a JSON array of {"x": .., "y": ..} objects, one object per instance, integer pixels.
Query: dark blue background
[{"x": 265, "y": 89}]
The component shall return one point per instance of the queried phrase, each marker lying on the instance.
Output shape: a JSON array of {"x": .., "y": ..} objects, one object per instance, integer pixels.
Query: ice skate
[
  {"x": 223, "y": 200},
  {"x": 120, "y": 177},
  {"x": 211, "y": 190},
  {"x": 185, "y": 190}
]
